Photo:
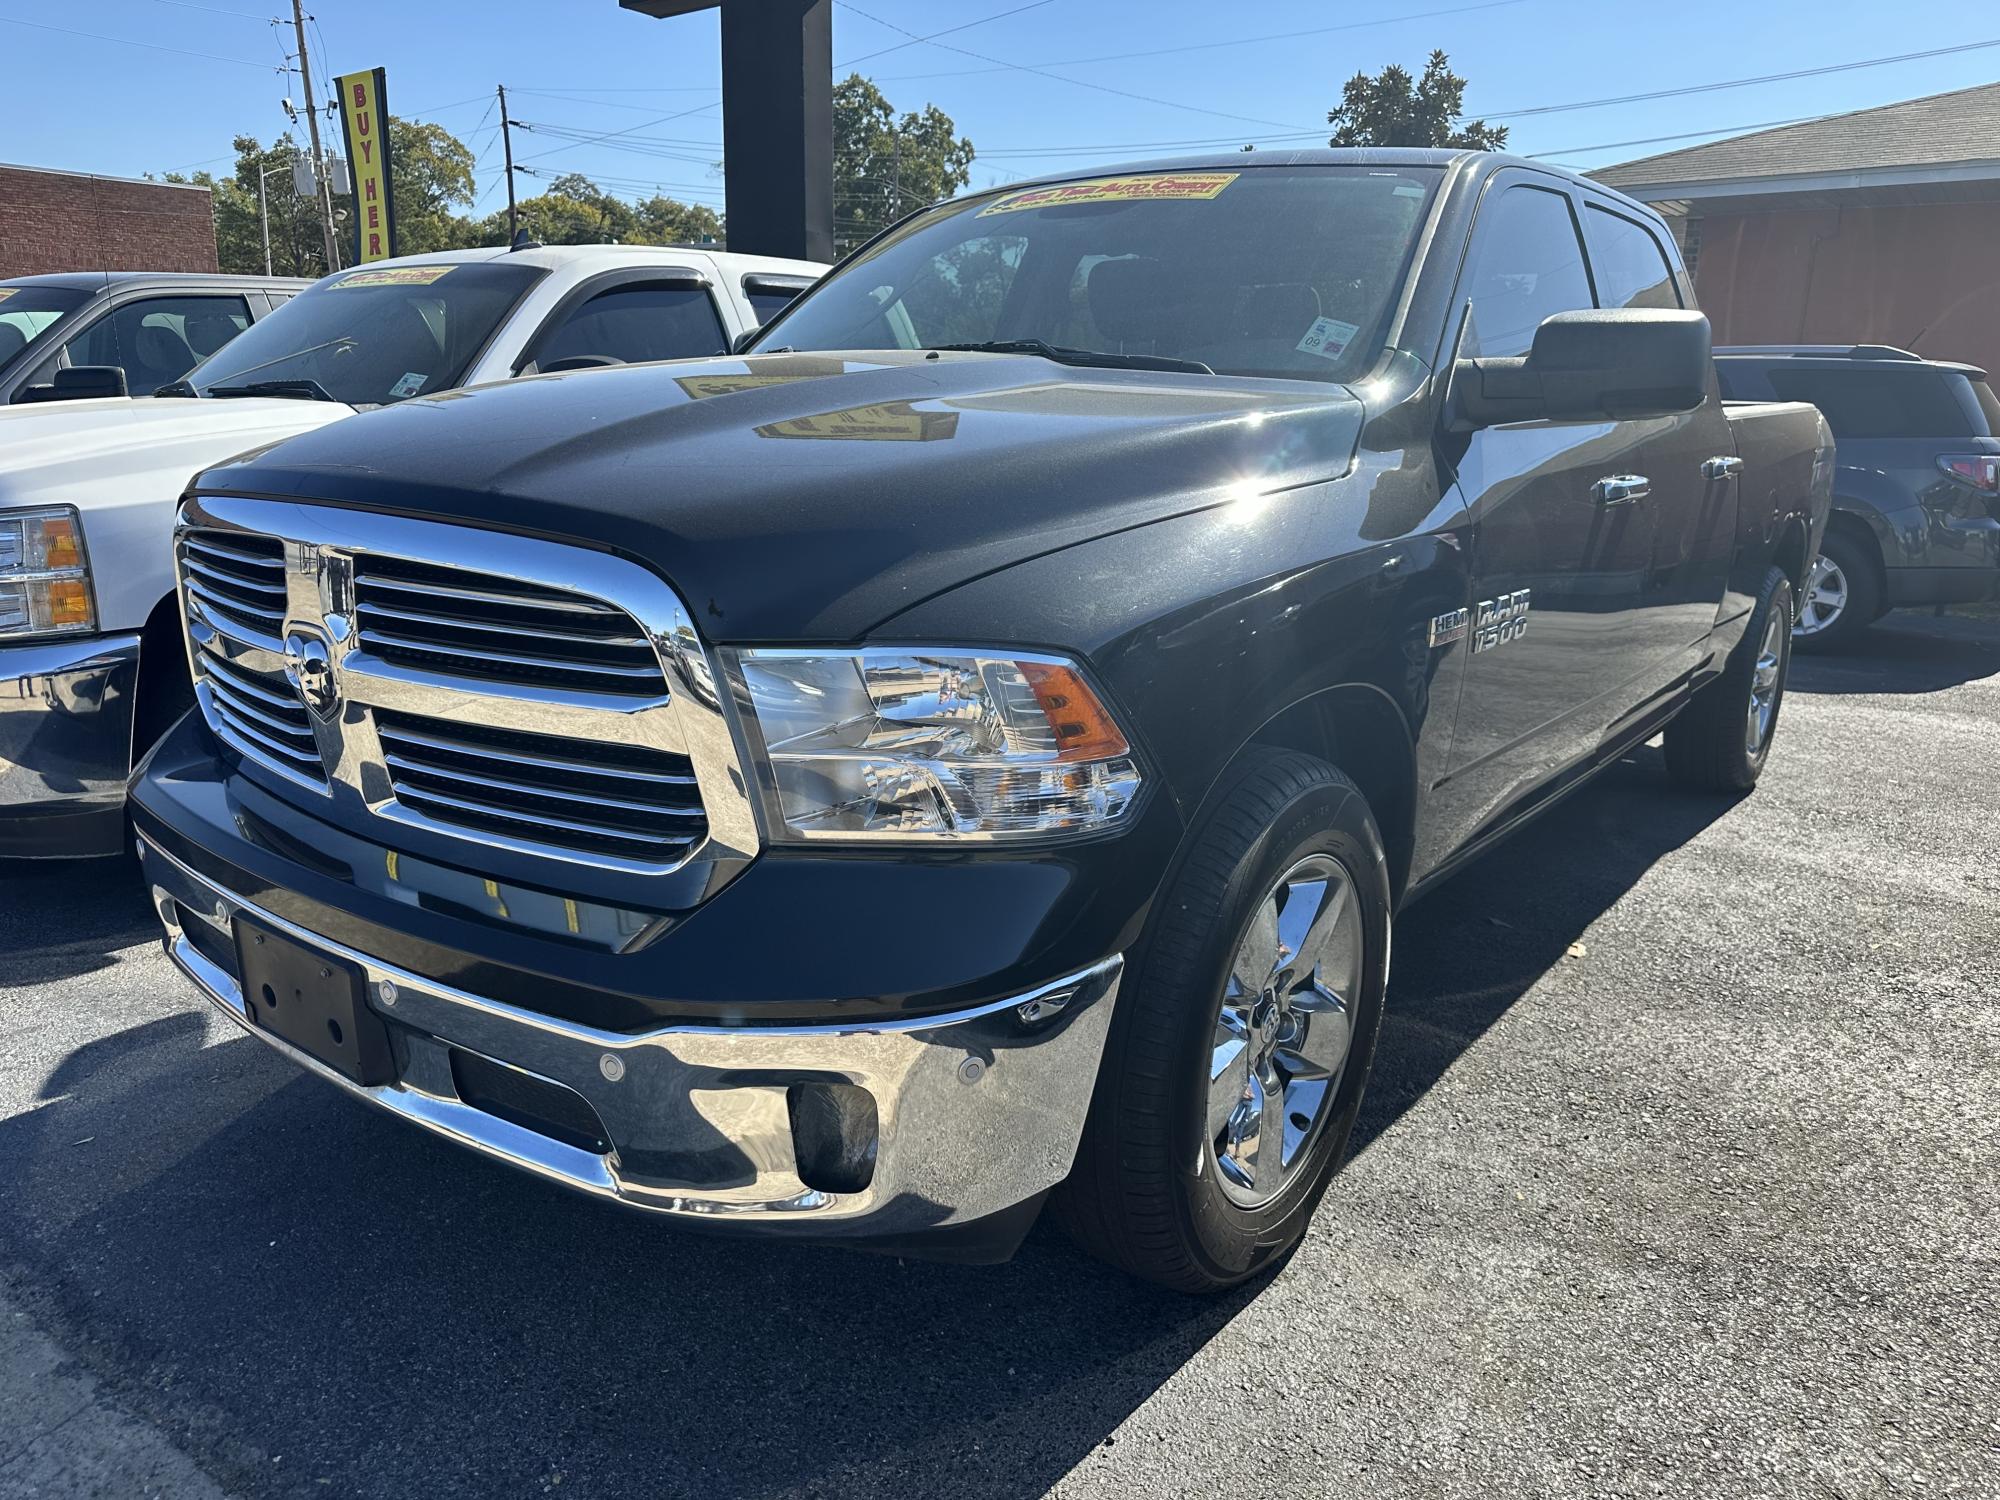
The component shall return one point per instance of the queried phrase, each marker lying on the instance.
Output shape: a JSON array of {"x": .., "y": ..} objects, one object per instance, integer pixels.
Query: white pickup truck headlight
[
  {"x": 44, "y": 574},
  {"x": 916, "y": 744}
]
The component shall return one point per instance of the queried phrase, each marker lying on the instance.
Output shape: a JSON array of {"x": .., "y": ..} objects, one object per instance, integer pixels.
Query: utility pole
[
  {"x": 896, "y": 157},
  {"x": 320, "y": 175},
  {"x": 507, "y": 149}
]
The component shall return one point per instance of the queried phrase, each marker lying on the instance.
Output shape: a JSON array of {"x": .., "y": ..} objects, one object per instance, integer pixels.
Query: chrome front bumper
[
  {"x": 66, "y": 745},
  {"x": 973, "y": 1113}
]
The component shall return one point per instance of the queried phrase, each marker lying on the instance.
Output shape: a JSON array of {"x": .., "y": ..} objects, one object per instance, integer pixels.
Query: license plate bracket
[{"x": 313, "y": 1001}]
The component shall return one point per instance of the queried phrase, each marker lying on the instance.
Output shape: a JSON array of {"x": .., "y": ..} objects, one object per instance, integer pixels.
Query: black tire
[
  {"x": 166, "y": 691},
  {"x": 1858, "y": 565},
  {"x": 1145, "y": 1193},
  {"x": 1708, "y": 746}
]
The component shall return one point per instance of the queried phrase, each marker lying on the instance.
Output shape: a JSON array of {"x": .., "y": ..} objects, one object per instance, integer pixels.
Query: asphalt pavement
[{"x": 1678, "y": 1177}]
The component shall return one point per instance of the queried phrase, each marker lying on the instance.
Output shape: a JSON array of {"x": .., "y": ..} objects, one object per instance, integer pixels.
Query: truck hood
[
  {"x": 75, "y": 451},
  {"x": 808, "y": 497}
]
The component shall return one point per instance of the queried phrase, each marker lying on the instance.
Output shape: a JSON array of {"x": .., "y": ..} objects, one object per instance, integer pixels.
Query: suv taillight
[{"x": 1980, "y": 470}]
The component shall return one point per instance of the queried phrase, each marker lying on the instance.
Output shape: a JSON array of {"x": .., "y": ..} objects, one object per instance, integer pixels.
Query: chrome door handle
[
  {"x": 1720, "y": 468},
  {"x": 1621, "y": 489}
]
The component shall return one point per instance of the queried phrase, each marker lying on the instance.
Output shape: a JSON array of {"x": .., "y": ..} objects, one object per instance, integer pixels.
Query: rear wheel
[
  {"x": 1243, "y": 1036},
  {"x": 1721, "y": 740},
  {"x": 1841, "y": 599}
]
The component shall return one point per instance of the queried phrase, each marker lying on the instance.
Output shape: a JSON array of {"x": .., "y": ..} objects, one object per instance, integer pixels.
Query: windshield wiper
[
  {"x": 181, "y": 387},
  {"x": 298, "y": 390},
  {"x": 1093, "y": 357}
]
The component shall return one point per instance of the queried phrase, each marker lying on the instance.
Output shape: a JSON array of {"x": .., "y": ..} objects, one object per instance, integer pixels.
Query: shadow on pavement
[
  {"x": 1906, "y": 653},
  {"x": 265, "y": 1268},
  {"x": 60, "y": 918}
]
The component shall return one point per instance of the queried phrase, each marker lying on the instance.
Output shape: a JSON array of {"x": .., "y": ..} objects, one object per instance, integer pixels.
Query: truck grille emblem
[{"x": 309, "y": 665}]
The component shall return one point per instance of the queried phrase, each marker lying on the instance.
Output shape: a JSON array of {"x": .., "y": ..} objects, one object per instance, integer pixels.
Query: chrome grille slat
[
  {"x": 281, "y": 725},
  {"x": 226, "y": 613},
  {"x": 245, "y": 682},
  {"x": 240, "y": 727},
  {"x": 208, "y": 570},
  {"x": 543, "y": 822},
  {"x": 204, "y": 541},
  {"x": 542, "y": 632},
  {"x": 475, "y": 655},
  {"x": 524, "y": 758},
  {"x": 576, "y": 606},
  {"x": 397, "y": 762}
]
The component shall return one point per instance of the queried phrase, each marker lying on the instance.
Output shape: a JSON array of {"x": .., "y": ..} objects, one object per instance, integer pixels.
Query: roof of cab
[
  {"x": 605, "y": 258},
  {"x": 91, "y": 281}
]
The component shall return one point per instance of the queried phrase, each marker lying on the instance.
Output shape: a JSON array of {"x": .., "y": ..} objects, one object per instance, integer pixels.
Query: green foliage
[
  {"x": 576, "y": 211},
  {"x": 1393, "y": 109},
  {"x": 884, "y": 167},
  {"x": 430, "y": 172}
]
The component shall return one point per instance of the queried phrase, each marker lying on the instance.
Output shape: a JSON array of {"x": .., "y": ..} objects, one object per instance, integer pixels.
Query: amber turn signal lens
[
  {"x": 60, "y": 547},
  {"x": 65, "y": 604},
  {"x": 1083, "y": 728}
]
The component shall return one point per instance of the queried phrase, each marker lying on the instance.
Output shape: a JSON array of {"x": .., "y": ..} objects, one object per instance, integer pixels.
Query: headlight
[
  {"x": 44, "y": 574},
  {"x": 908, "y": 743}
]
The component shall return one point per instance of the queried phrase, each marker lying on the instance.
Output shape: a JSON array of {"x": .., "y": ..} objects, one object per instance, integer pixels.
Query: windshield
[
  {"x": 28, "y": 312},
  {"x": 373, "y": 336},
  {"x": 1286, "y": 271}
]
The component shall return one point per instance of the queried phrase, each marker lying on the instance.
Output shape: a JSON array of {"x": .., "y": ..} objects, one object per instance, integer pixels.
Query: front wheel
[{"x": 1243, "y": 1036}]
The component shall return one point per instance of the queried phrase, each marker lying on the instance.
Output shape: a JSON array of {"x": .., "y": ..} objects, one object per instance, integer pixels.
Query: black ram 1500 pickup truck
[{"x": 973, "y": 744}]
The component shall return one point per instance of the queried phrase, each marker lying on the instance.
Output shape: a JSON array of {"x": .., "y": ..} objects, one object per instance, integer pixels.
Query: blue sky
[{"x": 90, "y": 103}]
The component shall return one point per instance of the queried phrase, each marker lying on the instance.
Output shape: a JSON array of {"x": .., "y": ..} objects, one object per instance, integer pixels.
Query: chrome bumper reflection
[
  {"x": 66, "y": 727},
  {"x": 974, "y": 1112}
]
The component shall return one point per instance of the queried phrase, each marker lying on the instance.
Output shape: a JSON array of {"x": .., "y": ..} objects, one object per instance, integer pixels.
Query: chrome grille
[
  {"x": 469, "y": 624},
  {"x": 235, "y": 594},
  {"x": 629, "y": 801},
  {"x": 237, "y": 579},
  {"x": 508, "y": 692}
]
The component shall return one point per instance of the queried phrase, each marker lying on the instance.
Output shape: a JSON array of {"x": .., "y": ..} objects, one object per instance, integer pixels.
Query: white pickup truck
[{"x": 92, "y": 669}]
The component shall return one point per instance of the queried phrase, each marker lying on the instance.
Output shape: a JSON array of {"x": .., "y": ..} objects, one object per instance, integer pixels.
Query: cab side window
[
  {"x": 1631, "y": 268},
  {"x": 1527, "y": 265},
  {"x": 155, "y": 339},
  {"x": 631, "y": 324}
]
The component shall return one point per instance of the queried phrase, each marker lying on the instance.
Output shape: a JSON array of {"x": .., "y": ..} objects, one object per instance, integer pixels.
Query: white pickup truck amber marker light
[
  {"x": 910, "y": 743},
  {"x": 44, "y": 575}
]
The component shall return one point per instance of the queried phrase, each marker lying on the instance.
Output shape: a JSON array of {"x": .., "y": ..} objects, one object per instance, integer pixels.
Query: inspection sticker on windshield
[
  {"x": 1177, "y": 186},
  {"x": 394, "y": 276},
  {"x": 1328, "y": 338},
  {"x": 409, "y": 385}
]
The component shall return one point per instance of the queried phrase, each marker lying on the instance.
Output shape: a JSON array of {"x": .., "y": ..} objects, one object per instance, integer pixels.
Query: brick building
[
  {"x": 75, "y": 221},
  {"x": 1875, "y": 227}
]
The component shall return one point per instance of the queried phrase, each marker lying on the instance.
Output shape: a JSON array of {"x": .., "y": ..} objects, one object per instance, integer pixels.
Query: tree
[
  {"x": 884, "y": 167},
  {"x": 1392, "y": 109},
  {"x": 430, "y": 175},
  {"x": 576, "y": 211}
]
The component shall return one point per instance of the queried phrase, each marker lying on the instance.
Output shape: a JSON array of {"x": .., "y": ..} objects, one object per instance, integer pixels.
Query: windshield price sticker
[
  {"x": 1328, "y": 338},
  {"x": 1166, "y": 186},
  {"x": 394, "y": 276}
]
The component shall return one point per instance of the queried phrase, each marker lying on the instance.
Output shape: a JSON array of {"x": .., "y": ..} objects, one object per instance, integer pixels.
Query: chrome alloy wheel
[
  {"x": 1286, "y": 1027},
  {"x": 1826, "y": 598},
  {"x": 1764, "y": 684}
]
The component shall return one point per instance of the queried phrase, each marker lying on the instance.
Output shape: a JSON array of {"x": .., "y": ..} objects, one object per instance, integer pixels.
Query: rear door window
[
  {"x": 770, "y": 295},
  {"x": 636, "y": 324},
  {"x": 1876, "y": 401},
  {"x": 1625, "y": 257}
]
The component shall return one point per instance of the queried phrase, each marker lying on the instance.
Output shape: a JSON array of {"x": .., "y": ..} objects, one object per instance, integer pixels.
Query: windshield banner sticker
[
  {"x": 1328, "y": 338},
  {"x": 1176, "y": 186},
  {"x": 394, "y": 276}
]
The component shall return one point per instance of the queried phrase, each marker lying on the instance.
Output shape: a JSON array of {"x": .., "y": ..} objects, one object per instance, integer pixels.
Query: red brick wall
[
  {"x": 1919, "y": 276},
  {"x": 63, "y": 221}
]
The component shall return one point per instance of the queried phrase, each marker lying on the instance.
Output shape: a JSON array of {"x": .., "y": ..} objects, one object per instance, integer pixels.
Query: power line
[
  {"x": 607, "y": 103},
  {"x": 1685, "y": 135},
  {"x": 1059, "y": 78},
  {"x": 948, "y": 31},
  {"x": 126, "y": 41},
  {"x": 1738, "y": 83},
  {"x": 1238, "y": 41},
  {"x": 216, "y": 10},
  {"x": 610, "y": 135}
]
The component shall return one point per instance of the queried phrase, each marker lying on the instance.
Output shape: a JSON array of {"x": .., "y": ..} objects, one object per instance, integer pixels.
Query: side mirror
[
  {"x": 744, "y": 340},
  {"x": 89, "y": 382},
  {"x": 1612, "y": 365}
]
